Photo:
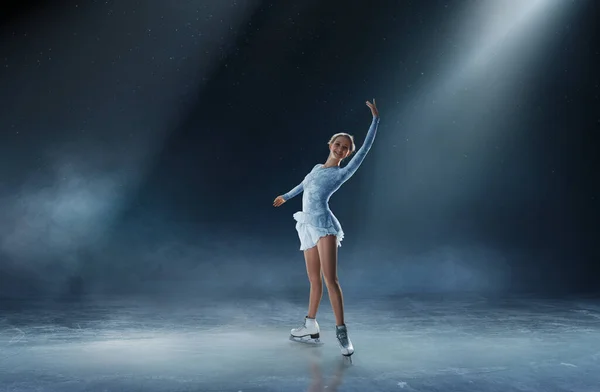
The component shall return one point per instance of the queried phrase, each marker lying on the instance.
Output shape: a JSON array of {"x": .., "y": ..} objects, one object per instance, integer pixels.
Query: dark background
[{"x": 143, "y": 143}]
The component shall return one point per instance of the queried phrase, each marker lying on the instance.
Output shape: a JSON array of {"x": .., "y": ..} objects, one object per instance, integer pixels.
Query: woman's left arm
[{"x": 356, "y": 161}]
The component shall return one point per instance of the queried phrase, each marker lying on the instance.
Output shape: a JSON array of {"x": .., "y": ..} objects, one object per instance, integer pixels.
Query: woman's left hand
[{"x": 373, "y": 108}]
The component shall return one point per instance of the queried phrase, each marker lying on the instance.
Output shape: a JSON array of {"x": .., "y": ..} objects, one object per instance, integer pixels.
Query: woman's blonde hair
[{"x": 352, "y": 148}]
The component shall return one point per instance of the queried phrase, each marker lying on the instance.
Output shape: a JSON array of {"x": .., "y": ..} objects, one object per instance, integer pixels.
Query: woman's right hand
[{"x": 279, "y": 200}]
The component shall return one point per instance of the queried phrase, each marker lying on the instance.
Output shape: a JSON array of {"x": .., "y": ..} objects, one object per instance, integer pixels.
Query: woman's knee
[
  {"x": 331, "y": 281},
  {"x": 315, "y": 280}
]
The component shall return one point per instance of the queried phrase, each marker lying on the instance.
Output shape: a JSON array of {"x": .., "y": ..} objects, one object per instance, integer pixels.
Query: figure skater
[{"x": 321, "y": 233}]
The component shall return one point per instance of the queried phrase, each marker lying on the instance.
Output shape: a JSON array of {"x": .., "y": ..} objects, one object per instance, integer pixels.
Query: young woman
[{"x": 320, "y": 232}]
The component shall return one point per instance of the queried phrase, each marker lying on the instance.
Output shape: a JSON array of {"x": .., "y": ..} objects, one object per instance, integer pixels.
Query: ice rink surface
[{"x": 404, "y": 343}]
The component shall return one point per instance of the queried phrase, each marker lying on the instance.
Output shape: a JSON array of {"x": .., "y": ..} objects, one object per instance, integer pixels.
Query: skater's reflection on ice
[{"x": 319, "y": 382}]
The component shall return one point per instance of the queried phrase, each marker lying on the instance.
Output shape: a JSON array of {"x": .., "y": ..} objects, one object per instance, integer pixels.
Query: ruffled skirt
[{"x": 312, "y": 227}]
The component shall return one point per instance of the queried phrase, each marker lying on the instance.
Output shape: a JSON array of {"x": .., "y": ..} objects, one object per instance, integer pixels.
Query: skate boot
[
  {"x": 307, "y": 333},
  {"x": 344, "y": 341}
]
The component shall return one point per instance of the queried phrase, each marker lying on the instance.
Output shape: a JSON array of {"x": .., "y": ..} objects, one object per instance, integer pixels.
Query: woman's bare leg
[
  {"x": 328, "y": 253},
  {"x": 313, "y": 269}
]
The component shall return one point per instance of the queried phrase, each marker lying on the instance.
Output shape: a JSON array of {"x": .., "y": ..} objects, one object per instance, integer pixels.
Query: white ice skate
[
  {"x": 307, "y": 333},
  {"x": 344, "y": 341}
]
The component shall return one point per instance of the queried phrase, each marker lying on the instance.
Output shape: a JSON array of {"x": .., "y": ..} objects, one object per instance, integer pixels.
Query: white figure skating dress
[{"x": 316, "y": 219}]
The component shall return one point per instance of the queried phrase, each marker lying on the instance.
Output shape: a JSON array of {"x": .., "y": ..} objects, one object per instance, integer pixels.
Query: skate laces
[
  {"x": 342, "y": 336},
  {"x": 303, "y": 325}
]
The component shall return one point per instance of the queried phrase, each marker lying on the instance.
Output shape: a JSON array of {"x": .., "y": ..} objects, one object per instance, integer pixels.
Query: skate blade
[{"x": 306, "y": 340}]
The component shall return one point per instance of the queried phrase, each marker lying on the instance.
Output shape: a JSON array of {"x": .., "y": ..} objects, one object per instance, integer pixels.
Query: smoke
[
  {"x": 243, "y": 267},
  {"x": 60, "y": 217},
  {"x": 62, "y": 233},
  {"x": 55, "y": 214},
  {"x": 108, "y": 89}
]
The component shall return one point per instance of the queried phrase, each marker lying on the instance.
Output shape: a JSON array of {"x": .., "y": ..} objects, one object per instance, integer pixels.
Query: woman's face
[{"x": 340, "y": 148}]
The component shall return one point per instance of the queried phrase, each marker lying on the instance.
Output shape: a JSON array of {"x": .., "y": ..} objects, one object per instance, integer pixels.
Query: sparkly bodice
[{"x": 322, "y": 182}]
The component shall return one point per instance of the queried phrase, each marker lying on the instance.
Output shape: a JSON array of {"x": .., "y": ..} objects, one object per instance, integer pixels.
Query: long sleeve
[
  {"x": 360, "y": 155},
  {"x": 294, "y": 192}
]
